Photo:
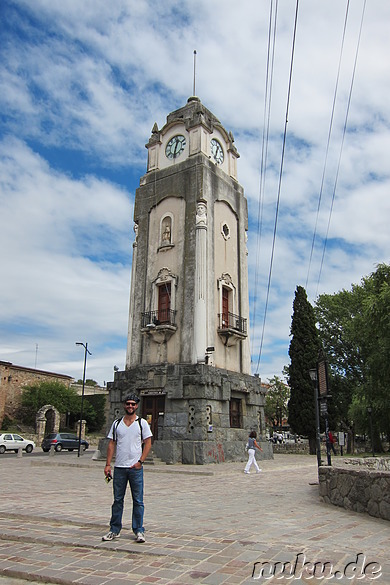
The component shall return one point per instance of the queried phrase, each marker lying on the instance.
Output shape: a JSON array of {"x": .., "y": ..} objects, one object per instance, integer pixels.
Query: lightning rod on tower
[{"x": 194, "y": 72}]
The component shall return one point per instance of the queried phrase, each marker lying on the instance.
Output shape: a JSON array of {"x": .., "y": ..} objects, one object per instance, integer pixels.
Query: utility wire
[
  {"x": 328, "y": 143},
  {"x": 342, "y": 144},
  {"x": 264, "y": 147},
  {"x": 280, "y": 183}
]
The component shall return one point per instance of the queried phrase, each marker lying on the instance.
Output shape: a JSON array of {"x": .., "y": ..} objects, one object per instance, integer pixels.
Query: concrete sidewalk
[{"x": 204, "y": 525}]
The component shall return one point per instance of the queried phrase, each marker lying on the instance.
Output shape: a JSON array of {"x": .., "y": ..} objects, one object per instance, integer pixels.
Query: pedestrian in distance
[
  {"x": 332, "y": 442},
  {"x": 252, "y": 446},
  {"x": 130, "y": 440}
]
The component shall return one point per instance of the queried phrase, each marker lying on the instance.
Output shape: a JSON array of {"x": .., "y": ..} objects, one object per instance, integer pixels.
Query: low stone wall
[
  {"x": 296, "y": 448},
  {"x": 378, "y": 463},
  {"x": 361, "y": 490}
]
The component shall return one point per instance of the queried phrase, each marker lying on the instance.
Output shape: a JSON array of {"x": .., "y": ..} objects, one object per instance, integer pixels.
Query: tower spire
[{"x": 194, "y": 73}]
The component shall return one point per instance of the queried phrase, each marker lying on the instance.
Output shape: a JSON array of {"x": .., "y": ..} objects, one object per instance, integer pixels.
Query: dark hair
[{"x": 253, "y": 434}]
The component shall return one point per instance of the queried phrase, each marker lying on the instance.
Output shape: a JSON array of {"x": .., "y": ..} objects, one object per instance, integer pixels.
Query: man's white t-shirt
[{"x": 128, "y": 441}]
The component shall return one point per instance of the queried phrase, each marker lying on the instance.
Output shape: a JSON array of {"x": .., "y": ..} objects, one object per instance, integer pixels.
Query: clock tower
[{"x": 188, "y": 354}]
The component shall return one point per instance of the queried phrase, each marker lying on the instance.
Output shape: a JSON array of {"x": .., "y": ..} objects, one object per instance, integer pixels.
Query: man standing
[{"x": 127, "y": 436}]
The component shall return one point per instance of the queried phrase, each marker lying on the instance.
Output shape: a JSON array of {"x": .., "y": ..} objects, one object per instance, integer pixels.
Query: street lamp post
[
  {"x": 86, "y": 351},
  {"x": 314, "y": 379},
  {"x": 369, "y": 410}
]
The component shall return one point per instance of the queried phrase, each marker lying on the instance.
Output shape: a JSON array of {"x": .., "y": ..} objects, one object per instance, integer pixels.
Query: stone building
[
  {"x": 188, "y": 353},
  {"x": 14, "y": 378}
]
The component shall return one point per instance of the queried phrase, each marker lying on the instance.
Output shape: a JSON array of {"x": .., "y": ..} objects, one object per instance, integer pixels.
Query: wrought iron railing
[
  {"x": 231, "y": 321},
  {"x": 161, "y": 317}
]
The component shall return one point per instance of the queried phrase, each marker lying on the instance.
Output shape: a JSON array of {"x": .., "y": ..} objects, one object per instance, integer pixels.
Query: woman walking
[{"x": 252, "y": 446}]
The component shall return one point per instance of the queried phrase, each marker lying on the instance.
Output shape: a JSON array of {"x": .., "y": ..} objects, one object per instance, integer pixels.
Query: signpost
[{"x": 323, "y": 388}]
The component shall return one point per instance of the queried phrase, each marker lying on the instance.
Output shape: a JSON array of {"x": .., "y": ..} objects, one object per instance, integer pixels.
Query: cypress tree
[{"x": 304, "y": 350}]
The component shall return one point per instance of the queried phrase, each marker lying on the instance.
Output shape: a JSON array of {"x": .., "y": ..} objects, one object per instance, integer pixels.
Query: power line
[
  {"x": 279, "y": 184},
  {"x": 328, "y": 142},
  {"x": 342, "y": 144},
  {"x": 264, "y": 147}
]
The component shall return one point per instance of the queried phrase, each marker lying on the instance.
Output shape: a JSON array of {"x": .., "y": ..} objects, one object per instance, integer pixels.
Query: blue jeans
[{"x": 135, "y": 477}]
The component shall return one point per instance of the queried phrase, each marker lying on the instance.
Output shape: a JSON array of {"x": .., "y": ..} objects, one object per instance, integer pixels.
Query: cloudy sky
[{"x": 82, "y": 84}]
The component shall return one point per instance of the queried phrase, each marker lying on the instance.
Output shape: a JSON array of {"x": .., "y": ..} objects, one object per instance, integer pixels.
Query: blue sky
[{"x": 81, "y": 87}]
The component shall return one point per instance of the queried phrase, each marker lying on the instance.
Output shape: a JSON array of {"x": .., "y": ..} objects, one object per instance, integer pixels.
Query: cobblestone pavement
[{"x": 204, "y": 525}]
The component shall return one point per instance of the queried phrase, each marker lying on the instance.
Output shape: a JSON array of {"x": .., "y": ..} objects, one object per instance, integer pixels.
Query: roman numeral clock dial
[
  {"x": 216, "y": 151},
  {"x": 175, "y": 146}
]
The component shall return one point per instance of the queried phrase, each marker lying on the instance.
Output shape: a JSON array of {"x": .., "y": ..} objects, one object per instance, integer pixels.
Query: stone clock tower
[{"x": 188, "y": 353}]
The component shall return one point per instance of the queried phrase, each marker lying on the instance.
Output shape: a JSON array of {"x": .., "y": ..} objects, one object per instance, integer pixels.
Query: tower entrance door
[{"x": 152, "y": 408}]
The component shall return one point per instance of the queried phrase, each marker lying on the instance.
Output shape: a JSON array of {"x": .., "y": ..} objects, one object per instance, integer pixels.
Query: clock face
[
  {"x": 175, "y": 146},
  {"x": 216, "y": 151}
]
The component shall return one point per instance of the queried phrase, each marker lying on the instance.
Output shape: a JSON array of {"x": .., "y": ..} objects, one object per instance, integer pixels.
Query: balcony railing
[
  {"x": 231, "y": 321},
  {"x": 162, "y": 317}
]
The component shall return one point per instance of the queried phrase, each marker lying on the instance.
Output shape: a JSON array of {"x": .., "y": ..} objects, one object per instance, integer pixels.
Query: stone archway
[{"x": 47, "y": 421}]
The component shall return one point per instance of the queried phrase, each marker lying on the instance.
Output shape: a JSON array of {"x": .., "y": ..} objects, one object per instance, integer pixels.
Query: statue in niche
[
  {"x": 201, "y": 214},
  {"x": 166, "y": 234}
]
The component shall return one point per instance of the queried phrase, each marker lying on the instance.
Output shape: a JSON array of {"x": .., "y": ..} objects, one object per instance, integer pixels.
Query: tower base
[{"x": 198, "y": 413}]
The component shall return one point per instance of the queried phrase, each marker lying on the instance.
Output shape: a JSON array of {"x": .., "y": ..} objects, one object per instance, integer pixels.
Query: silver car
[{"x": 13, "y": 442}]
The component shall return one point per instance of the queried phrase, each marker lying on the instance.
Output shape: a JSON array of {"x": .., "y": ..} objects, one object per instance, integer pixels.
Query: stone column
[
  {"x": 130, "y": 326},
  {"x": 200, "y": 305},
  {"x": 83, "y": 425}
]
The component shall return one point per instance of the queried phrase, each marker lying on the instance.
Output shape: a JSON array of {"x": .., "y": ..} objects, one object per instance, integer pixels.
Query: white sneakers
[
  {"x": 110, "y": 536},
  {"x": 139, "y": 537}
]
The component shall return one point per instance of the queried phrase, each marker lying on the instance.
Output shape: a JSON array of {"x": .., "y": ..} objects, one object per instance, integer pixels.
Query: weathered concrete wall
[
  {"x": 195, "y": 427},
  {"x": 361, "y": 490}
]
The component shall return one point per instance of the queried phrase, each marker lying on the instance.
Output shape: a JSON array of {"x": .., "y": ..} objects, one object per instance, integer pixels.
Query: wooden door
[
  {"x": 164, "y": 302},
  {"x": 152, "y": 408},
  {"x": 225, "y": 307}
]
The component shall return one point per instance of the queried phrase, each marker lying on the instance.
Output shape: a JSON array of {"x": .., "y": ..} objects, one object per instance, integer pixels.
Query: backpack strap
[
  {"x": 115, "y": 427},
  {"x": 116, "y": 424},
  {"x": 140, "y": 429}
]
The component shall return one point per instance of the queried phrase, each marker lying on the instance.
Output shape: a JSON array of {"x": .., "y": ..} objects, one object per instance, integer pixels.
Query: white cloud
[
  {"x": 65, "y": 255},
  {"x": 82, "y": 91}
]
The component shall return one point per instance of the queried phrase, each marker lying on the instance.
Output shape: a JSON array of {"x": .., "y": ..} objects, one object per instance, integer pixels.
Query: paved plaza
[{"x": 208, "y": 524}]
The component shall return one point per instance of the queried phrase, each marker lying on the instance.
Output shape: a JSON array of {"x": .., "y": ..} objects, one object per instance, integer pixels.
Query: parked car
[
  {"x": 61, "y": 441},
  {"x": 13, "y": 442}
]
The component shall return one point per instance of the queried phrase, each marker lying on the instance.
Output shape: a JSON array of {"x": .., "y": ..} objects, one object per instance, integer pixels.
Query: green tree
[
  {"x": 276, "y": 401},
  {"x": 303, "y": 351},
  {"x": 88, "y": 382},
  {"x": 66, "y": 401},
  {"x": 97, "y": 420},
  {"x": 335, "y": 317},
  {"x": 355, "y": 329},
  {"x": 37, "y": 395}
]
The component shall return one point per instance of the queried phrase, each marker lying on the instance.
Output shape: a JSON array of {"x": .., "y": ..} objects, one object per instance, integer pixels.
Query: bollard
[
  {"x": 20, "y": 452},
  {"x": 52, "y": 451}
]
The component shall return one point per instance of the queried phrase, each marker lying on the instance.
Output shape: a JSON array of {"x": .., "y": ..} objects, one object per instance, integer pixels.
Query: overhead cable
[
  {"x": 328, "y": 143},
  {"x": 342, "y": 144},
  {"x": 264, "y": 146},
  {"x": 279, "y": 184}
]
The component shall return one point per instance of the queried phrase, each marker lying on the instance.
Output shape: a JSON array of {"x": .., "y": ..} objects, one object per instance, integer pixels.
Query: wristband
[{"x": 139, "y": 461}]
